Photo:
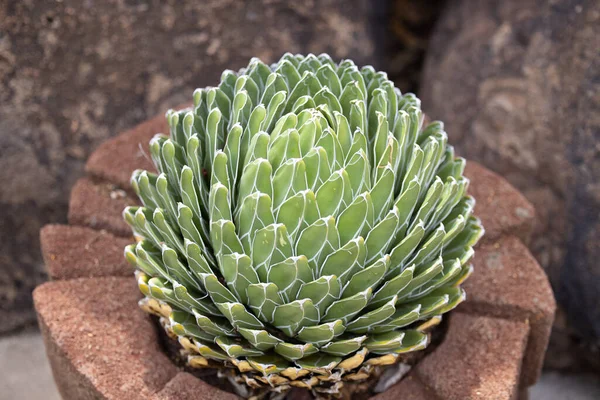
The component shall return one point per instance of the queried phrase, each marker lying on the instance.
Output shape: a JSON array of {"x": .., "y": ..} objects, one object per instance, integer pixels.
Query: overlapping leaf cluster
[{"x": 302, "y": 221}]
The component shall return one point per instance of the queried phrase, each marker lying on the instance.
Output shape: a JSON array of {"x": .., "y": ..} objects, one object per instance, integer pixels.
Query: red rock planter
[{"x": 102, "y": 346}]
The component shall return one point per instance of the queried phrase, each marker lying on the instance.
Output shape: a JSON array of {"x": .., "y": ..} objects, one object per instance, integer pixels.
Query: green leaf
[
  {"x": 357, "y": 219},
  {"x": 344, "y": 347},
  {"x": 284, "y": 147},
  {"x": 239, "y": 274},
  {"x": 256, "y": 177},
  {"x": 346, "y": 261},
  {"x": 317, "y": 167},
  {"x": 289, "y": 275},
  {"x": 367, "y": 278},
  {"x": 297, "y": 212},
  {"x": 348, "y": 307},
  {"x": 254, "y": 214},
  {"x": 382, "y": 193},
  {"x": 321, "y": 334},
  {"x": 263, "y": 298},
  {"x": 359, "y": 174},
  {"x": 318, "y": 240},
  {"x": 216, "y": 290},
  {"x": 385, "y": 342},
  {"x": 404, "y": 316},
  {"x": 224, "y": 239},
  {"x": 334, "y": 194},
  {"x": 259, "y": 338},
  {"x": 381, "y": 236},
  {"x": 291, "y": 317},
  {"x": 271, "y": 245},
  {"x": 423, "y": 275},
  {"x": 238, "y": 316},
  {"x": 322, "y": 292},
  {"x": 392, "y": 287},
  {"x": 289, "y": 180},
  {"x": 214, "y": 326},
  {"x": 184, "y": 324},
  {"x": 371, "y": 320},
  {"x": 218, "y": 202},
  {"x": 293, "y": 352},
  {"x": 236, "y": 347}
]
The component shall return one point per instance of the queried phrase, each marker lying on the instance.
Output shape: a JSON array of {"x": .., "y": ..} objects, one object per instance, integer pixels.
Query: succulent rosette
[{"x": 304, "y": 227}]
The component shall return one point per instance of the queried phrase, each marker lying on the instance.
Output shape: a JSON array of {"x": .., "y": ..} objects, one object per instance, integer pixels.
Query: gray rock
[
  {"x": 74, "y": 73},
  {"x": 518, "y": 85}
]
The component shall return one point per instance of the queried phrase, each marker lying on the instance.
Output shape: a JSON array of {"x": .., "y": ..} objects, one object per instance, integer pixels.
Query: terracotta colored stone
[
  {"x": 100, "y": 344},
  {"x": 409, "y": 388},
  {"x": 99, "y": 206},
  {"x": 509, "y": 283},
  {"x": 185, "y": 386},
  {"x": 480, "y": 358},
  {"x": 76, "y": 252},
  {"x": 501, "y": 208}
]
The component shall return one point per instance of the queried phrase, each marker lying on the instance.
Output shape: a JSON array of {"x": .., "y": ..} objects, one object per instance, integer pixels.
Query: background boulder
[
  {"x": 518, "y": 86},
  {"x": 74, "y": 73}
]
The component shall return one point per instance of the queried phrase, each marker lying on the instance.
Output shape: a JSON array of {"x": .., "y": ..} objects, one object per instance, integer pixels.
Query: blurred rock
[
  {"x": 409, "y": 25},
  {"x": 518, "y": 85},
  {"x": 74, "y": 73}
]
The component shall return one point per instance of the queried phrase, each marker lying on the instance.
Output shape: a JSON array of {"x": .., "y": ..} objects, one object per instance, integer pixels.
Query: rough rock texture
[
  {"x": 496, "y": 358},
  {"x": 509, "y": 283},
  {"x": 185, "y": 386},
  {"x": 501, "y": 208},
  {"x": 71, "y": 252},
  {"x": 100, "y": 344},
  {"x": 74, "y": 73},
  {"x": 407, "y": 26},
  {"x": 518, "y": 85},
  {"x": 88, "y": 196}
]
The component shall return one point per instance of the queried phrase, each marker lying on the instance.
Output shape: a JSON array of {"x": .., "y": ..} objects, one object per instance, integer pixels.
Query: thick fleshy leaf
[
  {"x": 322, "y": 292},
  {"x": 348, "y": 307},
  {"x": 238, "y": 316},
  {"x": 367, "y": 278},
  {"x": 289, "y": 275},
  {"x": 263, "y": 298},
  {"x": 321, "y": 334},
  {"x": 259, "y": 338},
  {"x": 371, "y": 320},
  {"x": 318, "y": 240},
  {"x": 254, "y": 214},
  {"x": 344, "y": 347},
  {"x": 346, "y": 261},
  {"x": 271, "y": 245},
  {"x": 291, "y": 317},
  {"x": 292, "y": 352},
  {"x": 239, "y": 274}
]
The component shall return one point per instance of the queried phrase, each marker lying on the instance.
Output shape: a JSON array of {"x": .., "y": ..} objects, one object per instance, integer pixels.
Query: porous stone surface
[
  {"x": 509, "y": 283},
  {"x": 185, "y": 386},
  {"x": 100, "y": 205},
  {"x": 99, "y": 343},
  {"x": 480, "y": 358},
  {"x": 501, "y": 208},
  {"x": 409, "y": 388},
  {"x": 76, "y": 252},
  {"x": 518, "y": 87},
  {"x": 74, "y": 73},
  {"x": 130, "y": 148}
]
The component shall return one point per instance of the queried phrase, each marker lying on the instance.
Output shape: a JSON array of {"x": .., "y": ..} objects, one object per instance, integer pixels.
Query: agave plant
[{"x": 303, "y": 229}]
